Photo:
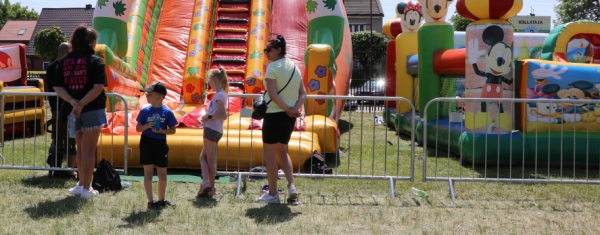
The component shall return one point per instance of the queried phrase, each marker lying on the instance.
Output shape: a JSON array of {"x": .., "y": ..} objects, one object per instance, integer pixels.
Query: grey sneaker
[
  {"x": 292, "y": 194},
  {"x": 154, "y": 206},
  {"x": 267, "y": 198}
]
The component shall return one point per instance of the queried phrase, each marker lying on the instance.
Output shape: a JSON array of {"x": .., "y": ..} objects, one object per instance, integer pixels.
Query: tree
[
  {"x": 369, "y": 48},
  {"x": 46, "y": 42},
  {"x": 574, "y": 10},
  {"x": 15, "y": 11},
  {"x": 459, "y": 22}
]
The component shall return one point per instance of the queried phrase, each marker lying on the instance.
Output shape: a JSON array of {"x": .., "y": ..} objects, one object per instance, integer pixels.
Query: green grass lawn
[{"x": 328, "y": 206}]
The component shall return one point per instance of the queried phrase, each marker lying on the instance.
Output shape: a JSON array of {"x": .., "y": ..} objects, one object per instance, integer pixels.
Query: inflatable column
[
  {"x": 110, "y": 20},
  {"x": 489, "y": 66},
  {"x": 326, "y": 25},
  {"x": 391, "y": 29},
  {"x": 434, "y": 35},
  {"x": 407, "y": 45}
]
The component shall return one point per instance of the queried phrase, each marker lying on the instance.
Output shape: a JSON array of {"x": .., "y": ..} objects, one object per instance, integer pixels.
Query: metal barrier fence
[
  {"x": 364, "y": 150},
  {"x": 541, "y": 152},
  {"x": 23, "y": 117}
]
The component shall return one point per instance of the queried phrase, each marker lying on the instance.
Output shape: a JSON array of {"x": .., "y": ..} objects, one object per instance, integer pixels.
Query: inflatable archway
[{"x": 556, "y": 44}]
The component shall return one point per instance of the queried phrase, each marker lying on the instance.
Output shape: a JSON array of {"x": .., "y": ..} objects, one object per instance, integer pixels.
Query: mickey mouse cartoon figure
[
  {"x": 498, "y": 60},
  {"x": 572, "y": 112}
]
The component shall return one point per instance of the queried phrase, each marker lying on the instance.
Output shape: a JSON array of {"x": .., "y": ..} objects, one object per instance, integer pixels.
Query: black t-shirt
[
  {"x": 78, "y": 72},
  {"x": 49, "y": 83}
]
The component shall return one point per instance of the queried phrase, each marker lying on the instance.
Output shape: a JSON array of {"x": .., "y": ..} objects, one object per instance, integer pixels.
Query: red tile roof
[
  {"x": 66, "y": 18},
  {"x": 10, "y": 31}
]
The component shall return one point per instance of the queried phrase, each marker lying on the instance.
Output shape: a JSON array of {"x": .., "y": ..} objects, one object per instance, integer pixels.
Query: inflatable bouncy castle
[
  {"x": 489, "y": 60},
  {"x": 20, "y": 114},
  {"x": 177, "y": 42}
]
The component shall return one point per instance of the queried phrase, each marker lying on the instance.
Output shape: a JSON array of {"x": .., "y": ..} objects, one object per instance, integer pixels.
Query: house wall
[
  {"x": 37, "y": 64},
  {"x": 366, "y": 20}
]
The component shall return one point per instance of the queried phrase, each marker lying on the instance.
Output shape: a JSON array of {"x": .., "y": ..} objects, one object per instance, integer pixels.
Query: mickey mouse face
[
  {"x": 571, "y": 93},
  {"x": 499, "y": 59}
]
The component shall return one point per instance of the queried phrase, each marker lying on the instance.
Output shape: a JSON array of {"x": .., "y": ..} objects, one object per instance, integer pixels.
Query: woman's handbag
[{"x": 260, "y": 106}]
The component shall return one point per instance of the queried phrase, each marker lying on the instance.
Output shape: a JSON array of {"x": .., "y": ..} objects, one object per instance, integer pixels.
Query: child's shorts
[
  {"x": 91, "y": 120},
  {"x": 153, "y": 151},
  {"x": 212, "y": 135}
]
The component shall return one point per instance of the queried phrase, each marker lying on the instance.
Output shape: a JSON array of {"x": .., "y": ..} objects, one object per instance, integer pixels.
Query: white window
[
  {"x": 22, "y": 31},
  {"x": 358, "y": 27}
]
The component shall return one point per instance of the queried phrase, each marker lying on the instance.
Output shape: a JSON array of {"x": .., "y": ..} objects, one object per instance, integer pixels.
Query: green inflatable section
[
  {"x": 517, "y": 148},
  {"x": 431, "y": 38},
  {"x": 112, "y": 33},
  {"x": 138, "y": 33},
  {"x": 327, "y": 30},
  {"x": 550, "y": 42},
  {"x": 150, "y": 40}
]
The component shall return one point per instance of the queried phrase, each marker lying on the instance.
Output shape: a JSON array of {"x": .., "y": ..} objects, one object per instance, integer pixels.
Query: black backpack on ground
[
  {"x": 316, "y": 164},
  {"x": 106, "y": 177}
]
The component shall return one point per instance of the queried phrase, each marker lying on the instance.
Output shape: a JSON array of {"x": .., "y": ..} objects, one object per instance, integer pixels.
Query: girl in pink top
[{"x": 213, "y": 130}]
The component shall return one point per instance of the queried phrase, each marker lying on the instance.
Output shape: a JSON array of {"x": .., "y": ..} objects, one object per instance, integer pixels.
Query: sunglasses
[{"x": 268, "y": 49}]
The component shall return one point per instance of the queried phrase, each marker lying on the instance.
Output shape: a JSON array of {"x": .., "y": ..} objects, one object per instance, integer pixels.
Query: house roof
[
  {"x": 363, "y": 8},
  {"x": 66, "y": 18},
  {"x": 17, "y": 30}
]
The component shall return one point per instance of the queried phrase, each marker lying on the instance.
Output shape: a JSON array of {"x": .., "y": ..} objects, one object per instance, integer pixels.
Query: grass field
[{"x": 329, "y": 206}]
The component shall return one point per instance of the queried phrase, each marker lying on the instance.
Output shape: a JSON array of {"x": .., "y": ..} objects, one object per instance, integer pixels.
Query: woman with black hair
[
  {"x": 283, "y": 83},
  {"x": 80, "y": 81}
]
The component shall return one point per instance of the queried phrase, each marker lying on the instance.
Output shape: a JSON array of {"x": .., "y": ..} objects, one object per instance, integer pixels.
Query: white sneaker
[
  {"x": 76, "y": 190},
  {"x": 292, "y": 193},
  {"x": 85, "y": 194},
  {"x": 267, "y": 198}
]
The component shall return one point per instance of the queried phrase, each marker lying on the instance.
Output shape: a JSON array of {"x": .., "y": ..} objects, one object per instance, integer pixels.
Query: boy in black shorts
[{"x": 155, "y": 121}]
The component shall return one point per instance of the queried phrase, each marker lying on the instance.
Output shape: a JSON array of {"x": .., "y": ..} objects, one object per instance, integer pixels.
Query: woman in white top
[{"x": 283, "y": 77}]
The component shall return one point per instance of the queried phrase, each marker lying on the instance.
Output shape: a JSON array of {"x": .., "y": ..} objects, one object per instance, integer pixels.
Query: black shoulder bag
[{"x": 260, "y": 106}]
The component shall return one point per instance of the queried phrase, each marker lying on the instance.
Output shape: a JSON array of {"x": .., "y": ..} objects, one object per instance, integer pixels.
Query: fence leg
[
  {"x": 393, "y": 194},
  {"x": 451, "y": 184},
  {"x": 239, "y": 184}
]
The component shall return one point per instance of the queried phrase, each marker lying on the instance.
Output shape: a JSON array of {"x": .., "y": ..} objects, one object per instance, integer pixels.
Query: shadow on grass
[
  {"x": 271, "y": 214},
  {"x": 48, "y": 183},
  {"x": 139, "y": 218},
  {"x": 55, "y": 209},
  {"x": 205, "y": 202}
]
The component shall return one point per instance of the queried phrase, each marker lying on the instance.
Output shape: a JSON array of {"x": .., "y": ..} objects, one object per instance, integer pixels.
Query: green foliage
[
  {"x": 15, "y": 11},
  {"x": 119, "y": 8},
  {"x": 459, "y": 22},
  {"x": 46, "y": 42},
  {"x": 369, "y": 48},
  {"x": 311, "y": 6},
  {"x": 574, "y": 10},
  {"x": 330, "y": 4}
]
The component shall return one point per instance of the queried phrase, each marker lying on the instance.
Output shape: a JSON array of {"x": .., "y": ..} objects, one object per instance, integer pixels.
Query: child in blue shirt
[{"x": 153, "y": 142}]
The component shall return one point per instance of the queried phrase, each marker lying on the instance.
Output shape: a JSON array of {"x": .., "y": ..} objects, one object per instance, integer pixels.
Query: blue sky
[{"x": 541, "y": 7}]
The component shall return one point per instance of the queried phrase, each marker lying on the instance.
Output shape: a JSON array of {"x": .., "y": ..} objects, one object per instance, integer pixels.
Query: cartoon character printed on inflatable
[
  {"x": 412, "y": 18},
  {"x": 435, "y": 10},
  {"x": 498, "y": 62},
  {"x": 544, "y": 112},
  {"x": 572, "y": 112}
]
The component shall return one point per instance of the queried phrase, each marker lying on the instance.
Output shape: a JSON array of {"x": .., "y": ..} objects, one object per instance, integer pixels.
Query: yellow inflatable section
[
  {"x": 406, "y": 45},
  {"x": 319, "y": 78}
]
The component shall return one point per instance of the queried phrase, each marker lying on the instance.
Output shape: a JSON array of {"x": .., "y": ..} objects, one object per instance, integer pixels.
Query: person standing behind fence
[
  {"x": 213, "y": 130},
  {"x": 283, "y": 77},
  {"x": 153, "y": 121},
  {"x": 59, "y": 132},
  {"x": 80, "y": 81}
]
